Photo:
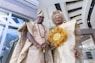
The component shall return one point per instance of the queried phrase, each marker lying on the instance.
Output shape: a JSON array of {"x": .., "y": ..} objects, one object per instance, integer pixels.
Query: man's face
[{"x": 40, "y": 19}]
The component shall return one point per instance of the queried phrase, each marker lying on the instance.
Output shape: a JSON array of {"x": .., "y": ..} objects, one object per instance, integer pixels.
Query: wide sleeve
[
  {"x": 77, "y": 35},
  {"x": 20, "y": 44}
]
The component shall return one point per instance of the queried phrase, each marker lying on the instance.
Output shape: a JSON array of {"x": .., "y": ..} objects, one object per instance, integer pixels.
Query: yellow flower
[{"x": 57, "y": 36}]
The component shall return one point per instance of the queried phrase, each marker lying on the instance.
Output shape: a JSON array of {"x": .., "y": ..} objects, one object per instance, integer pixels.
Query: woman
[{"x": 65, "y": 53}]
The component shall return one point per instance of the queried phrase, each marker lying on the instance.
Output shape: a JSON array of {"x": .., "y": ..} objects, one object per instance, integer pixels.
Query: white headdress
[{"x": 40, "y": 12}]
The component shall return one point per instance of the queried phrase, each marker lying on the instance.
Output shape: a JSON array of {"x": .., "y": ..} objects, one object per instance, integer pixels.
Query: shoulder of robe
[
  {"x": 30, "y": 22},
  {"x": 69, "y": 24},
  {"x": 24, "y": 26}
]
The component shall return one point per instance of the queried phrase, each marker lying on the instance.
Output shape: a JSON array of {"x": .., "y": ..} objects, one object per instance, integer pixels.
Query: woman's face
[{"x": 58, "y": 19}]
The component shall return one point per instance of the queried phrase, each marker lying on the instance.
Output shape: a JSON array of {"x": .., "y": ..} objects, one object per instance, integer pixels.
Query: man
[
  {"x": 64, "y": 51},
  {"x": 32, "y": 43}
]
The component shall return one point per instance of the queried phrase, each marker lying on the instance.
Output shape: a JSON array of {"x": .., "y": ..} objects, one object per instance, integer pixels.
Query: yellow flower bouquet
[{"x": 57, "y": 36}]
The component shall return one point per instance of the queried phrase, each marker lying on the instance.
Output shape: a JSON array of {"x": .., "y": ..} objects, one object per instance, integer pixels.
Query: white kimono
[
  {"x": 65, "y": 52},
  {"x": 25, "y": 52}
]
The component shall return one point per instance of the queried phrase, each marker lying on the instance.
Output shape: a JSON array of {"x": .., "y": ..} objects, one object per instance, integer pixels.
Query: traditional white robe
[
  {"x": 65, "y": 52},
  {"x": 24, "y": 51}
]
